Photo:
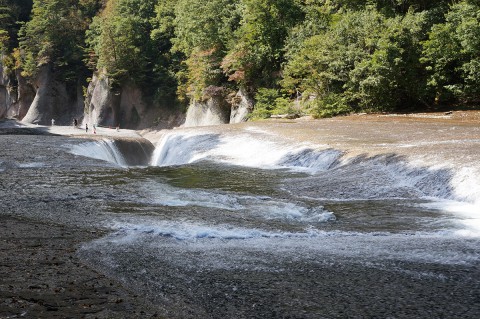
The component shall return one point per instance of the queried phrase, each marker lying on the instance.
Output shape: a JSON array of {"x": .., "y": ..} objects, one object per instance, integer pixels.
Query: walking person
[{"x": 86, "y": 128}]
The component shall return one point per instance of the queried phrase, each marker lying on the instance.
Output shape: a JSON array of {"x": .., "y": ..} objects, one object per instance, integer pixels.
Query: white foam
[
  {"x": 104, "y": 150},
  {"x": 466, "y": 215},
  {"x": 243, "y": 150},
  {"x": 189, "y": 231},
  {"x": 466, "y": 185},
  {"x": 224, "y": 245},
  {"x": 264, "y": 206},
  {"x": 31, "y": 165}
]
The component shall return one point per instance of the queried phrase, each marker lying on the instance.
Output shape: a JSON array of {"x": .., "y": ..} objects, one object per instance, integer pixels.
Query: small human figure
[
  {"x": 94, "y": 129},
  {"x": 75, "y": 123},
  {"x": 53, "y": 122},
  {"x": 86, "y": 128},
  {"x": 118, "y": 128}
]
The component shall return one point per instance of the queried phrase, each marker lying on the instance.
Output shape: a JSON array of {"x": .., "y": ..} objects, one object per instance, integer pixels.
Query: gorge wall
[
  {"x": 219, "y": 108},
  {"x": 126, "y": 107},
  {"x": 39, "y": 100},
  {"x": 16, "y": 95}
]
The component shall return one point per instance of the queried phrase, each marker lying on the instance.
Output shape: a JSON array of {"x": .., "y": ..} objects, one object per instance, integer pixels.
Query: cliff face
[
  {"x": 41, "y": 100},
  {"x": 16, "y": 95},
  {"x": 125, "y": 107},
  {"x": 242, "y": 106},
  {"x": 54, "y": 100},
  {"x": 217, "y": 108},
  {"x": 45, "y": 98},
  {"x": 101, "y": 103}
]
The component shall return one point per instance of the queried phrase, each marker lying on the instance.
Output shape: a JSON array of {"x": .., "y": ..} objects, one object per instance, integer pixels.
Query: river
[{"x": 288, "y": 219}]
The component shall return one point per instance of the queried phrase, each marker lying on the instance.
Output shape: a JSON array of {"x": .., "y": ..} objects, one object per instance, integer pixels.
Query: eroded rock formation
[
  {"x": 126, "y": 107},
  {"x": 54, "y": 100},
  {"x": 218, "y": 108},
  {"x": 16, "y": 94}
]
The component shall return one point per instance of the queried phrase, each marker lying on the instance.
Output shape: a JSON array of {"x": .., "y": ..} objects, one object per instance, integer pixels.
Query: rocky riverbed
[{"x": 85, "y": 238}]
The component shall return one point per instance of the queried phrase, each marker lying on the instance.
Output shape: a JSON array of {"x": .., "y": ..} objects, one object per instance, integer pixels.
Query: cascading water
[
  {"x": 260, "y": 221},
  {"x": 357, "y": 178},
  {"x": 242, "y": 150},
  {"x": 103, "y": 149}
]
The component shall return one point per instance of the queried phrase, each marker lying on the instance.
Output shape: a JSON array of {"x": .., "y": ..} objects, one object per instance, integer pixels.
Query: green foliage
[
  {"x": 54, "y": 35},
  {"x": 452, "y": 54},
  {"x": 203, "y": 31},
  {"x": 12, "y": 12},
  {"x": 328, "y": 57},
  {"x": 270, "y": 102},
  {"x": 120, "y": 41},
  {"x": 363, "y": 61},
  {"x": 328, "y": 105},
  {"x": 256, "y": 57}
]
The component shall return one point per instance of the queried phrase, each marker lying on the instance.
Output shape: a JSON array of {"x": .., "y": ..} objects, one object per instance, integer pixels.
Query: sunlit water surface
[{"x": 250, "y": 227}]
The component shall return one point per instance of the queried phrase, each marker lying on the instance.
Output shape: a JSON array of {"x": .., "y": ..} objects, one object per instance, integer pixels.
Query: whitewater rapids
[{"x": 283, "y": 201}]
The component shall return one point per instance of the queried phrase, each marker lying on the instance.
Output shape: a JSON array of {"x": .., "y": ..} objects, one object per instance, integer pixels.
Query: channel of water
[{"x": 224, "y": 222}]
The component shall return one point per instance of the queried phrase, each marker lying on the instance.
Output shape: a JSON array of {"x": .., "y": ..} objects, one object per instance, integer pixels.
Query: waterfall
[
  {"x": 243, "y": 150},
  {"x": 104, "y": 149},
  {"x": 362, "y": 177}
]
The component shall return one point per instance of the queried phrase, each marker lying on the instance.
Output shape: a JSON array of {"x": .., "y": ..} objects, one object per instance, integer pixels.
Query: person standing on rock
[
  {"x": 86, "y": 128},
  {"x": 94, "y": 129},
  {"x": 53, "y": 122},
  {"x": 75, "y": 123}
]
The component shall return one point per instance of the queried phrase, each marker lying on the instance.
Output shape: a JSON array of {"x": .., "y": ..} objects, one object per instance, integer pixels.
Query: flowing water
[{"x": 241, "y": 223}]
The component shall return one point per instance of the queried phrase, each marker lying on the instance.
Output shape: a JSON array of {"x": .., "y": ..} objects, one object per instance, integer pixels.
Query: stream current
[{"x": 240, "y": 225}]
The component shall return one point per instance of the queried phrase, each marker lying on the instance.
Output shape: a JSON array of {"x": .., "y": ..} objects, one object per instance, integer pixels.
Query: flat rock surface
[{"x": 41, "y": 276}]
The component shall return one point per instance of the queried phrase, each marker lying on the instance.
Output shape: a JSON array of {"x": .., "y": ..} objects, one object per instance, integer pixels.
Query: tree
[
  {"x": 119, "y": 40},
  {"x": 54, "y": 36},
  {"x": 452, "y": 53},
  {"x": 12, "y": 13},
  {"x": 363, "y": 61},
  {"x": 203, "y": 32},
  {"x": 255, "y": 58}
]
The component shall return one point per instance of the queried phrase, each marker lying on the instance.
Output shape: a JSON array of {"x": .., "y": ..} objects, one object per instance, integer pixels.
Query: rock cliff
[
  {"x": 218, "y": 108},
  {"x": 54, "y": 100},
  {"x": 126, "y": 107},
  {"x": 16, "y": 94},
  {"x": 44, "y": 98},
  {"x": 242, "y": 106}
]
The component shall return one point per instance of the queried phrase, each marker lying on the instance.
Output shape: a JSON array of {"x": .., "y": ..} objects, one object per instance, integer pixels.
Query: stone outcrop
[
  {"x": 218, "y": 108},
  {"x": 242, "y": 106},
  {"x": 213, "y": 109},
  {"x": 16, "y": 94},
  {"x": 54, "y": 100},
  {"x": 45, "y": 98},
  {"x": 125, "y": 107},
  {"x": 102, "y": 103}
]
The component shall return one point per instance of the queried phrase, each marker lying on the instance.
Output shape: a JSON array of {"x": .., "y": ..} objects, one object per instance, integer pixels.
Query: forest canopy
[{"x": 318, "y": 57}]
